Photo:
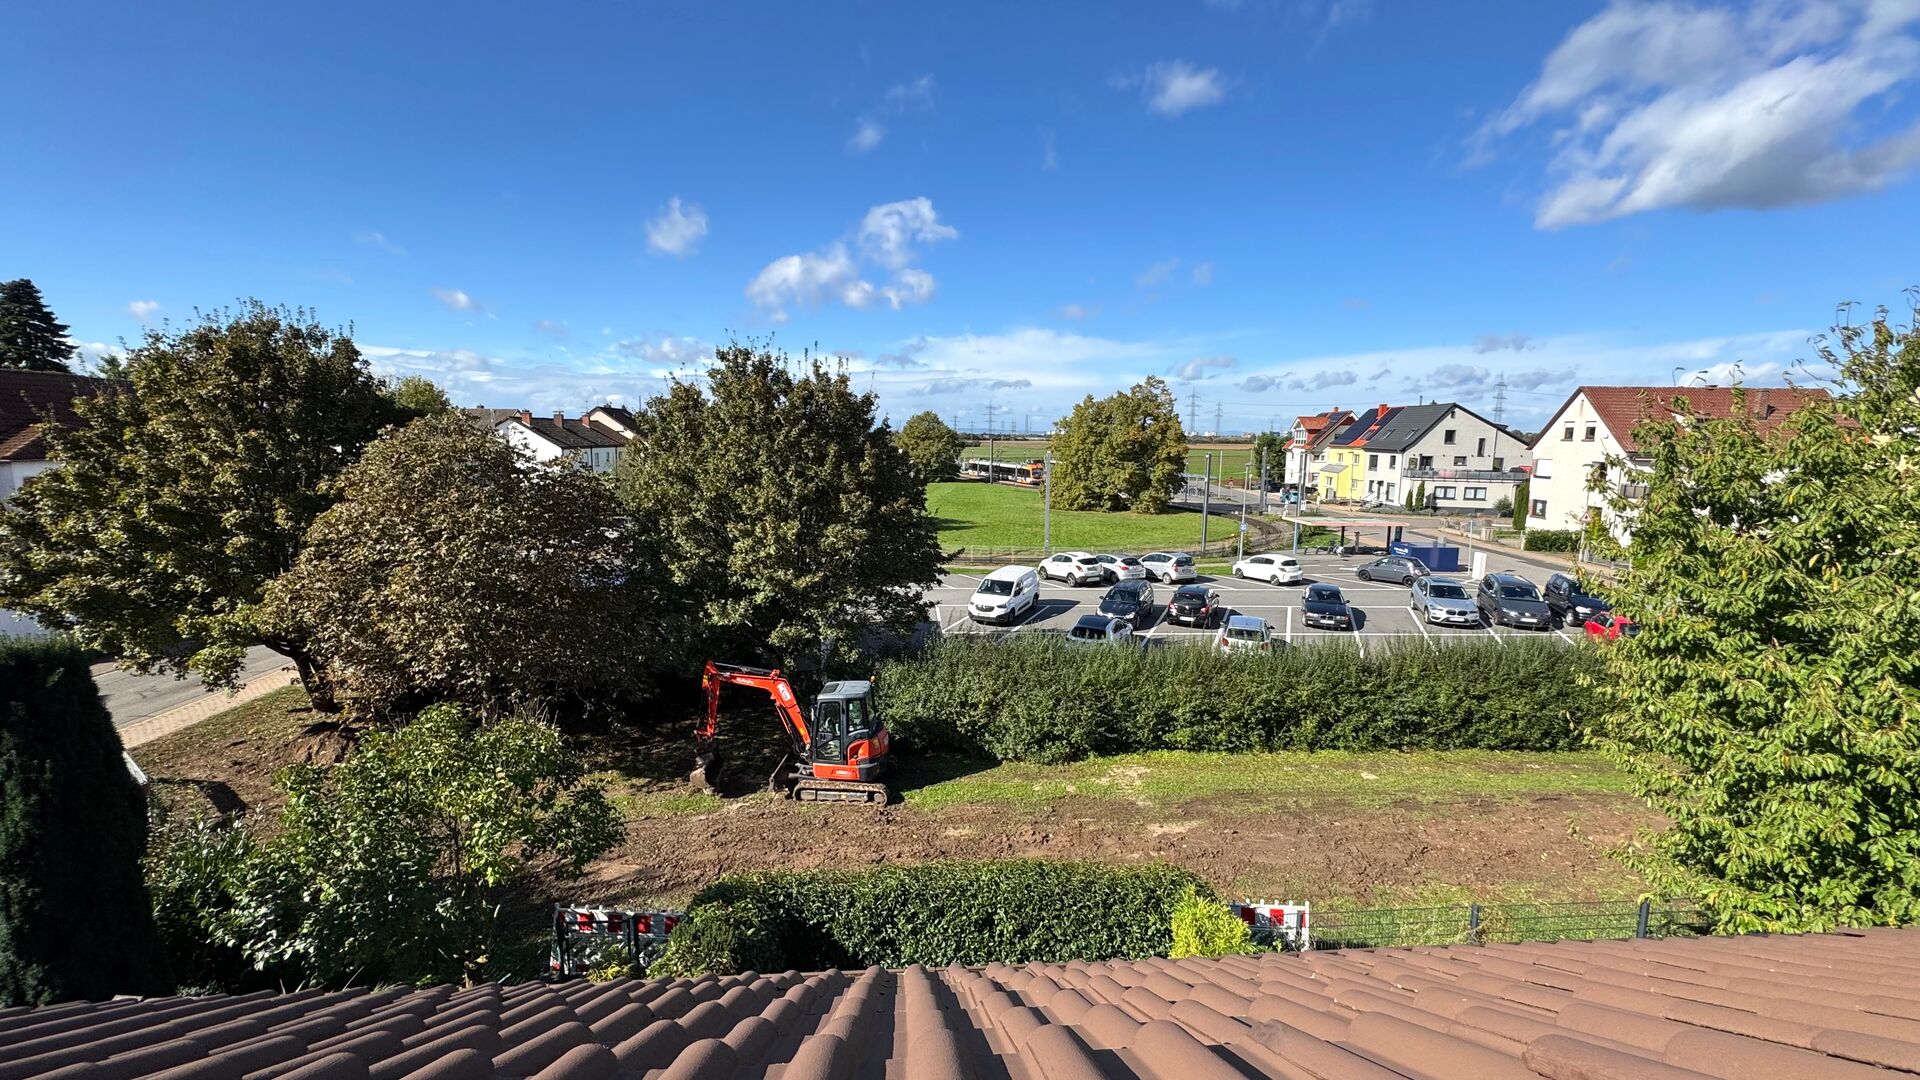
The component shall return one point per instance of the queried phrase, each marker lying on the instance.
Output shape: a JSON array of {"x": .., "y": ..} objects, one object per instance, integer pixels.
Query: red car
[{"x": 1608, "y": 626}]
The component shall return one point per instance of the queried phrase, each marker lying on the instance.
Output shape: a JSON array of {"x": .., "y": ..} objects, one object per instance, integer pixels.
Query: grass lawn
[{"x": 997, "y": 517}]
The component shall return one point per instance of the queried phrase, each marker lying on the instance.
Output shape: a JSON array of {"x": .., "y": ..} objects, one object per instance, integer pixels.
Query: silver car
[
  {"x": 1170, "y": 566},
  {"x": 1443, "y": 602},
  {"x": 1122, "y": 568}
]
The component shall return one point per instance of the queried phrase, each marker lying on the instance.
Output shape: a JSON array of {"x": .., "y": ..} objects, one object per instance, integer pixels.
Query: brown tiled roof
[
  {"x": 25, "y": 398},
  {"x": 1821, "y": 1006},
  {"x": 1623, "y": 408}
]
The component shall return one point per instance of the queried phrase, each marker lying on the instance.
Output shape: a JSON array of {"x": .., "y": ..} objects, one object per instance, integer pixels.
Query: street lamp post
[
  {"x": 1206, "y": 500},
  {"x": 1242, "y": 547},
  {"x": 1046, "y": 505}
]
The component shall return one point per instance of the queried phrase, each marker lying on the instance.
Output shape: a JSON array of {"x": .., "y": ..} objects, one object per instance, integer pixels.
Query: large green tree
[
  {"x": 781, "y": 514},
  {"x": 74, "y": 917},
  {"x": 189, "y": 487},
  {"x": 453, "y": 567},
  {"x": 418, "y": 395},
  {"x": 932, "y": 446},
  {"x": 1768, "y": 705},
  {"x": 1124, "y": 451},
  {"x": 30, "y": 337},
  {"x": 1274, "y": 444}
]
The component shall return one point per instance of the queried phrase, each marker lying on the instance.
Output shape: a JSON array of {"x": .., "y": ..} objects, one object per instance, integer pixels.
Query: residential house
[
  {"x": 31, "y": 401},
  {"x": 614, "y": 418},
  {"x": 1596, "y": 424},
  {"x": 1451, "y": 456},
  {"x": 551, "y": 437},
  {"x": 1347, "y": 475},
  {"x": 1300, "y": 464}
]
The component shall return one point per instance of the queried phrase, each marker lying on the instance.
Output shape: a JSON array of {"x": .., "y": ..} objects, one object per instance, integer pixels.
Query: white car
[
  {"x": 1100, "y": 630},
  {"x": 1122, "y": 568},
  {"x": 1073, "y": 567},
  {"x": 1274, "y": 569},
  {"x": 1170, "y": 566}
]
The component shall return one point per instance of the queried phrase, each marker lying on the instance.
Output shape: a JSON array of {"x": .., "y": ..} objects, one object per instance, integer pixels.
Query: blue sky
[{"x": 1278, "y": 206}]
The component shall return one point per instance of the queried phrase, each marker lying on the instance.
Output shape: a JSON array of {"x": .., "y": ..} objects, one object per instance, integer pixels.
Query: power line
[
  {"x": 1193, "y": 402},
  {"x": 1217, "y": 407},
  {"x": 1500, "y": 400}
]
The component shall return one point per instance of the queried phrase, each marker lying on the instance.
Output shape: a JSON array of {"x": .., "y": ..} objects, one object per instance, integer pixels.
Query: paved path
[
  {"x": 131, "y": 697},
  {"x": 189, "y": 713}
]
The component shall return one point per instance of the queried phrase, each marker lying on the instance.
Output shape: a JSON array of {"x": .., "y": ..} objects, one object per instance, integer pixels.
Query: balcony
[{"x": 1510, "y": 476}]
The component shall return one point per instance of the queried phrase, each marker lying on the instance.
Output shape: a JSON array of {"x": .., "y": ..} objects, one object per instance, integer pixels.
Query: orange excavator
[{"x": 837, "y": 753}]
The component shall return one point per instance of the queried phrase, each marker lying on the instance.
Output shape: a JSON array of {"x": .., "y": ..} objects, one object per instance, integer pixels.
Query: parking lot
[{"x": 1380, "y": 609}]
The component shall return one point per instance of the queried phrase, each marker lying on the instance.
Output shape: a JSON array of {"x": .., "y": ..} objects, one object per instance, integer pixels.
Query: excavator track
[{"x": 815, "y": 790}]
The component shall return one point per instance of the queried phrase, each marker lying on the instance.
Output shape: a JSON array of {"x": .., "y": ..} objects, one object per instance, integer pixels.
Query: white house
[
  {"x": 1596, "y": 424},
  {"x": 1463, "y": 462},
  {"x": 595, "y": 446}
]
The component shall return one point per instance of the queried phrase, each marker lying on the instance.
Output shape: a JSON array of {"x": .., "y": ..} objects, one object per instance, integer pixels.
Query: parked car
[
  {"x": 1357, "y": 547},
  {"x": 1004, "y": 596},
  {"x": 1129, "y": 600},
  {"x": 1169, "y": 566},
  {"x": 1272, "y": 568},
  {"x": 1244, "y": 633},
  {"x": 1444, "y": 601},
  {"x": 1194, "y": 605},
  {"x": 1100, "y": 630},
  {"x": 1510, "y": 600},
  {"x": 1326, "y": 608},
  {"x": 1571, "y": 604},
  {"x": 1606, "y": 626},
  {"x": 1121, "y": 567},
  {"x": 1073, "y": 567},
  {"x": 1404, "y": 569}
]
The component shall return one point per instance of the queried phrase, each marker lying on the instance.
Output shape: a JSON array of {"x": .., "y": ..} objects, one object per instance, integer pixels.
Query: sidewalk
[{"x": 185, "y": 716}]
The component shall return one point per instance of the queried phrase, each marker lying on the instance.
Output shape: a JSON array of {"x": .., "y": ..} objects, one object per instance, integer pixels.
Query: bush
[
  {"x": 74, "y": 916},
  {"x": 1203, "y": 926},
  {"x": 1015, "y": 911},
  {"x": 192, "y": 870},
  {"x": 1032, "y": 699},
  {"x": 1551, "y": 540}
]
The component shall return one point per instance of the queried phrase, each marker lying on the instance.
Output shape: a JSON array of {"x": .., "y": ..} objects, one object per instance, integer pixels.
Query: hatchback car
[
  {"x": 1443, "y": 601},
  {"x": 1274, "y": 569},
  {"x": 1606, "y": 626},
  {"x": 1100, "y": 630},
  {"x": 1245, "y": 633},
  {"x": 1129, "y": 600},
  {"x": 1570, "y": 602},
  {"x": 1511, "y": 600},
  {"x": 1401, "y": 568},
  {"x": 1121, "y": 568},
  {"x": 1326, "y": 608},
  {"x": 1073, "y": 567},
  {"x": 1169, "y": 566},
  {"x": 1194, "y": 605}
]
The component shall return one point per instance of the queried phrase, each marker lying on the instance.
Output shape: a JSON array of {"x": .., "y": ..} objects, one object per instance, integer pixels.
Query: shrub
[
  {"x": 192, "y": 870},
  {"x": 1203, "y": 926},
  {"x": 1551, "y": 540},
  {"x": 1521, "y": 493},
  {"x": 1032, "y": 699},
  {"x": 1014, "y": 911},
  {"x": 73, "y": 827}
]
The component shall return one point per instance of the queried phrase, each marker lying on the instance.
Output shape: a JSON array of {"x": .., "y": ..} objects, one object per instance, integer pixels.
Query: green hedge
[
  {"x": 1552, "y": 540},
  {"x": 1031, "y": 699},
  {"x": 939, "y": 913}
]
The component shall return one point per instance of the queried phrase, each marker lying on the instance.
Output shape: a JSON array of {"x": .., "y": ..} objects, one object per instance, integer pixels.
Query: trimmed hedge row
[
  {"x": 1006, "y": 911},
  {"x": 1551, "y": 540},
  {"x": 1031, "y": 698}
]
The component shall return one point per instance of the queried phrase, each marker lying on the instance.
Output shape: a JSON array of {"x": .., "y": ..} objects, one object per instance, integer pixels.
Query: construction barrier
[
  {"x": 1287, "y": 924},
  {"x": 590, "y": 937}
]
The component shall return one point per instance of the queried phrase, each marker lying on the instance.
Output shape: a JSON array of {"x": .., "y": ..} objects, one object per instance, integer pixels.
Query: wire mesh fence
[{"x": 1474, "y": 923}]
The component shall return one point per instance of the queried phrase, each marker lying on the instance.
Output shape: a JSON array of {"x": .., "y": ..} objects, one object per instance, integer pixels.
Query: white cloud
[
  {"x": 1157, "y": 274},
  {"x": 678, "y": 229},
  {"x": 457, "y": 300},
  {"x": 667, "y": 351},
  {"x": 909, "y": 96},
  {"x": 1457, "y": 376},
  {"x": 1258, "y": 384},
  {"x": 1486, "y": 343},
  {"x": 1176, "y": 87},
  {"x": 889, "y": 235},
  {"x": 963, "y": 386},
  {"x": 550, "y": 326},
  {"x": 1203, "y": 274},
  {"x": 1049, "y": 153},
  {"x": 1733, "y": 373},
  {"x": 866, "y": 136},
  {"x": 1077, "y": 311},
  {"x": 373, "y": 239},
  {"x": 143, "y": 309},
  {"x": 1203, "y": 367},
  {"x": 1659, "y": 105}
]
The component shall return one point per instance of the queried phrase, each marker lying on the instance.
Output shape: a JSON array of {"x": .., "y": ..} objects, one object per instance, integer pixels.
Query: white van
[{"x": 1006, "y": 595}]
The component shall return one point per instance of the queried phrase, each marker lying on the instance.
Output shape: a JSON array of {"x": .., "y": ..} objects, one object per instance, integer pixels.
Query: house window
[
  {"x": 1373, "y": 461},
  {"x": 1567, "y": 434},
  {"x": 1443, "y": 493},
  {"x": 1391, "y": 459},
  {"x": 1539, "y": 507},
  {"x": 1499, "y": 464},
  {"x": 1447, "y": 436},
  {"x": 1542, "y": 468},
  {"x": 1482, "y": 451},
  {"x": 1459, "y": 461},
  {"x": 1389, "y": 492},
  {"x": 1476, "y": 495},
  {"x": 1588, "y": 437}
]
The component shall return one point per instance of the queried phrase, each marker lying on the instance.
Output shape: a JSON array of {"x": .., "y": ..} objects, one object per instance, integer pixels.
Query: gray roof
[{"x": 1406, "y": 426}]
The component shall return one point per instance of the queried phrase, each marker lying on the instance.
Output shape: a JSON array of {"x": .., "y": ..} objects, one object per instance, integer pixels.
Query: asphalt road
[
  {"x": 130, "y": 697},
  {"x": 1381, "y": 608}
]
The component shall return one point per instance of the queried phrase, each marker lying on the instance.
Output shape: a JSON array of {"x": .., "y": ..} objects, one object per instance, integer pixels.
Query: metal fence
[{"x": 1474, "y": 923}]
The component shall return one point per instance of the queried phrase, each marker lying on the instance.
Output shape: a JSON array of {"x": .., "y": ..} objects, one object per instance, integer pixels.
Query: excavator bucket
[{"x": 703, "y": 765}]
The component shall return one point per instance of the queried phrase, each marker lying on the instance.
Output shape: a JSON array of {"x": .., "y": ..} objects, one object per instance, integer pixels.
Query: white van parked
[{"x": 1005, "y": 596}]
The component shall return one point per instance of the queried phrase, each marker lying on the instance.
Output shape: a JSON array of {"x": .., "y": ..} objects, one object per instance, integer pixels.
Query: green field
[
  {"x": 988, "y": 518},
  {"x": 1229, "y": 461}
]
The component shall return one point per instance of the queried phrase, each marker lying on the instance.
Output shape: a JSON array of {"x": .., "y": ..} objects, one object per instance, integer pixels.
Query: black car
[
  {"x": 1570, "y": 603},
  {"x": 1129, "y": 600},
  {"x": 1195, "y": 605},
  {"x": 1358, "y": 547},
  {"x": 1511, "y": 600},
  {"x": 1326, "y": 608}
]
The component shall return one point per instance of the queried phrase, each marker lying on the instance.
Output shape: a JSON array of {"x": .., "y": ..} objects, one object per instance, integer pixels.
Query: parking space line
[
  {"x": 1289, "y": 625},
  {"x": 1420, "y": 623}
]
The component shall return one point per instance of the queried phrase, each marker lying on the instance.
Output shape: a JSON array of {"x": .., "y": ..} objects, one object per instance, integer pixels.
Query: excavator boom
[{"x": 836, "y": 763}]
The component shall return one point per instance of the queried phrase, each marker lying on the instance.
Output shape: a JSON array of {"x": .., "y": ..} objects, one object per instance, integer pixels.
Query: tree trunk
[{"x": 314, "y": 679}]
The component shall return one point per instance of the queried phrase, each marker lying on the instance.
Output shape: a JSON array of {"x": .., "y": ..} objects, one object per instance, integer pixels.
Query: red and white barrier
[{"x": 1289, "y": 922}]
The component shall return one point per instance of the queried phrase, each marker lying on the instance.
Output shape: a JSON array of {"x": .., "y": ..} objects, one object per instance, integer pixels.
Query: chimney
[
  {"x": 559, "y": 418},
  {"x": 1380, "y": 410},
  {"x": 526, "y": 418}
]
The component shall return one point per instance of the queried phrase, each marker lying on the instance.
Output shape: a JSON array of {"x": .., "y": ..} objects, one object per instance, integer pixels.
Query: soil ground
[{"x": 1339, "y": 829}]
